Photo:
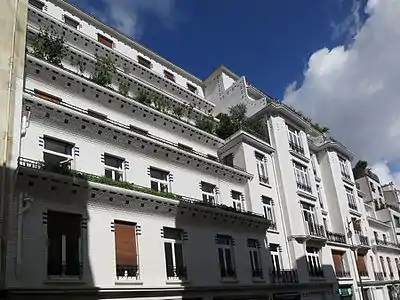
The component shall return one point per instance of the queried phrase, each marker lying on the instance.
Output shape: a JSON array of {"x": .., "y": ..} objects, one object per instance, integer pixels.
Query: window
[
  {"x": 275, "y": 257},
  {"x": 384, "y": 238},
  {"x": 371, "y": 184},
  {"x": 319, "y": 195},
  {"x": 144, "y": 62},
  {"x": 114, "y": 167},
  {"x": 362, "y": 269},
  {"x": 356, "y": 225},
  {"x": 225, "y": 256},
  {"x": 295, "y": 143},
  {"x": 350, "y": 199},
  {"x": 310, "y": 219},
  {"x": 302, "y": 179},
  {"x": 376, "y": 237},
  {"x": 380, "y": 191},
  {"x": 238, "y": 202},
  {"x": 396, "y": 262},
  {"x": 71, "y": 22},
  {"x": 313, "y": 159},
  {"x": 208, "y": 193},
  {"x": 228, "y": 160},
  {"x": 383, "y": 265},
  {"x": 313, "y": 263},
  {"x": 174, "y": 258},
  {"x": 343, "y": 168},
  {"x": 338, "y": 263},
  {"x": 47, "y": 96},
  {"x": 57, "y": 154},
  {"x": 169, "y": 75},
  {"x": 396, "y": 221},
  {"x": 64, "y": 244},
  {"x": 104, "y": 40},
  {"x": 159, "y": 180},
  {"x": 255, "y": 261},
  {"x": 262, "y": 168},
  {"x": 126, "y": 254},
  {"x": 269, "y": 213},
  {"x": 37, "y": 4},
  {"x": 389, "y": 266},
  {"x": 191, "y": 88}
]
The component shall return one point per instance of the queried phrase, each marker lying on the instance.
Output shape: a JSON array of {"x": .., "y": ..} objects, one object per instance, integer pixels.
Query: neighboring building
[{"x": 121, "y": 191}]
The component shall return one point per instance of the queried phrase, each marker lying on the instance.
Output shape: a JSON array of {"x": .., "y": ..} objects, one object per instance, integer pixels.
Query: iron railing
[
  {"x": 176, "y": 272},
  {"x": 336, "y": 237},
  {"x": 257, "y": 273},
  {"x": 284, "y": 276},
  {"x": 296, "y": 148},
  {"x": 379, "y": 276},
  {"x": 304, "y": 187},
  {"x": 127, "y": 271},
  {"x": 315, "y": 229},
  {"x": 342, "y": 274}
]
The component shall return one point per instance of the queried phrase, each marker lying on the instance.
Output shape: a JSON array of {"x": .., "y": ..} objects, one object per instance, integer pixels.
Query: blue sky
[
  {"x": 334, "y": 60},
  {"x": 268, "y": 41}
]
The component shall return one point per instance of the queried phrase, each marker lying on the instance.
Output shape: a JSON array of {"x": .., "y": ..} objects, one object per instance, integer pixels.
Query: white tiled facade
[{"x": 288, "y": 219}]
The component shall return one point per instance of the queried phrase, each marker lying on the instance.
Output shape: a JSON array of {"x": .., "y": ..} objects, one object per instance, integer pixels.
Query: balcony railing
[
  {"x": 258, "y": 273},
  {"x": 304, "y": 187},
  {"x": 272, "y": 225},
  {"x": 315, "y": 229},
  {"x": 386, "y": 243},
  {"x": 363, "y": 273},
  {"x": 353, "y": 205},
  {"x": 336, "y": 237},
  {"x": 379, "y": 276},
  {"x": 363, "y": 240},
  {"x": 57, "y": 269},
  {"x": 124, "y": 271},
  {"x": 342, "y": 274},
  {"x": 40, "y": 165},
  {"x": 228, "y": 273},
  {"x": 296, "y": 148},
  {"x": 176, "y": 272},
  {"x": 319, "y": 273},
  {"x": 284, "y": 276},
  {"x": 346, "y": 175}
]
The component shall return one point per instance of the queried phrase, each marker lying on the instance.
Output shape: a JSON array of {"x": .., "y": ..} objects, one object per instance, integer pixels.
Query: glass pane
[
  {"x": 178, "y": 255},
  {"x": 108, "y": 174},
  {"x": 207, "y": 187},
  {"x": 154, "y": 185},
  {"x": 164, "y": 187},
  {"x": 229, "y": 263},
  {"x": 251, "y": 260},
  {"x": 172, "y": 233},
  {"x": 57, "y": 146},
  {"x": 118, "y": 176},
  {"x": 221, "y": 262},
  {"x": 256, "y": 263},
  {"x": 169, "y": 263},
  {"x": 54, "y": 256},
  {"x": 158, "y": 174},
  {"x": 72, "y": 255},
  {"x": 113, "y": 161}
]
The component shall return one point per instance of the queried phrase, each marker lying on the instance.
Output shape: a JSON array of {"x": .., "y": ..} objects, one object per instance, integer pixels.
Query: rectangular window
[
  {"x": 295, "y": 143},
  {"x": 57, "y": 154},
  {"x": 169, "y": 75},
  {"x": 159, "y": 180},
  {"x": 238, "y": 201},
  {"x": 350, "y": 199},
  {"x": 208, "y": 193},
  {"x": 262, "y": 168},
  {"x": 389, "y": 267},
  {"x": 371, "y": 184},
  {"x": 338, "y": 263},
  {"x": 380, "y": 191},
  {"x": 64, "y": 244},
  {"x": 356, "y": 225},
  {"x": 255, "y": 261},
  {"x": 269, "y": 211},
  {"x": 362, "y": 268},
  {"x": 344, "y": 170},
  {"x": 225, "y": 256},
  {"x": 275, "y": 257},
  {"x": 174, "y": 258},
  {"x": 113, "y": 167},
  {"x": 126, "y": 254},
  {"x": 47, "y": 96},
  {"x": 312, "y": 226},
  {"x": 191, "y": 88},
  {"x": 302, "y": 179},
  {"x": 144, "y": 62},
  {"x": 383, "y": 265},
  {"x": 319, "y": 195},
  {"x": 396, "y": 221},
  {"x": 228, "y": 160},
  {"x": 37, "y": 4},
  {"x": 104, "y": 40},
  {"x": 313, "y": 262},
  {"x": 71, "y": 22}
]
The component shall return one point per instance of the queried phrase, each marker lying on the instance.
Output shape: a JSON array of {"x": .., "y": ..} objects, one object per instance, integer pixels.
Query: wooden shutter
[
  {"x": 47, "y": 96},
  {"x": 337, "y": 261},
  {"x": 104, "y": 40},
  {"x": 361, "y": 264},
  {"x": 125, "y": 244}
]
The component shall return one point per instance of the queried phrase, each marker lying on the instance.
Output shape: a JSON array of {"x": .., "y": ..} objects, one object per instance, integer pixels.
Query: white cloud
[
  {"x": 355, "y": 90},
  {"x": 129, "y": 15},
  {"x": 385, "y": 174}
]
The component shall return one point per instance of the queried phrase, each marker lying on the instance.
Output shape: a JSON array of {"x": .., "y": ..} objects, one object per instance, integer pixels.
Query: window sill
[
  {"x": 273, "y": 231},
  {"x": 305, "y": 194},
  {"x": 258, "y": 280},
  {"x": 128, "y": 281},
  {"x": 176, "y": 281},
  {"x": 229, "y": 280},
  {"x": 266, "y": 185},
  {"x": 300, "y": 156},
  {"x": 66, "y": 280}
]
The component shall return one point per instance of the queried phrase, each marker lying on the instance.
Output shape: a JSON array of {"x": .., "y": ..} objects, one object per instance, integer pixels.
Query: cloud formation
[
  {"x": 129, "y": 16},
  {"x": 355, "y": 89}
]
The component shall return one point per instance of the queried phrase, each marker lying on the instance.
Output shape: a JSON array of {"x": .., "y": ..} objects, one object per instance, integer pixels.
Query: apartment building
[{"x": 124, "y": 189}]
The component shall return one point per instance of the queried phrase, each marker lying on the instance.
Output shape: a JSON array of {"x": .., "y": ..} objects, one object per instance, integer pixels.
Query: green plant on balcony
[
  {"x": 49, "y": 46},
  {"x": 225, "y": 127},
  {"x": 206, "y": 124},
  {"x": 179, "y": 111},
  {"x": 161, "y": 103},
  {"x": 104, "y": 70},
  {"x": 320, "y": 128},
  {"x": 123, "y": 88},
  {"x": 255, "y": 127},
  {"x": 143, "y": 97}
]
